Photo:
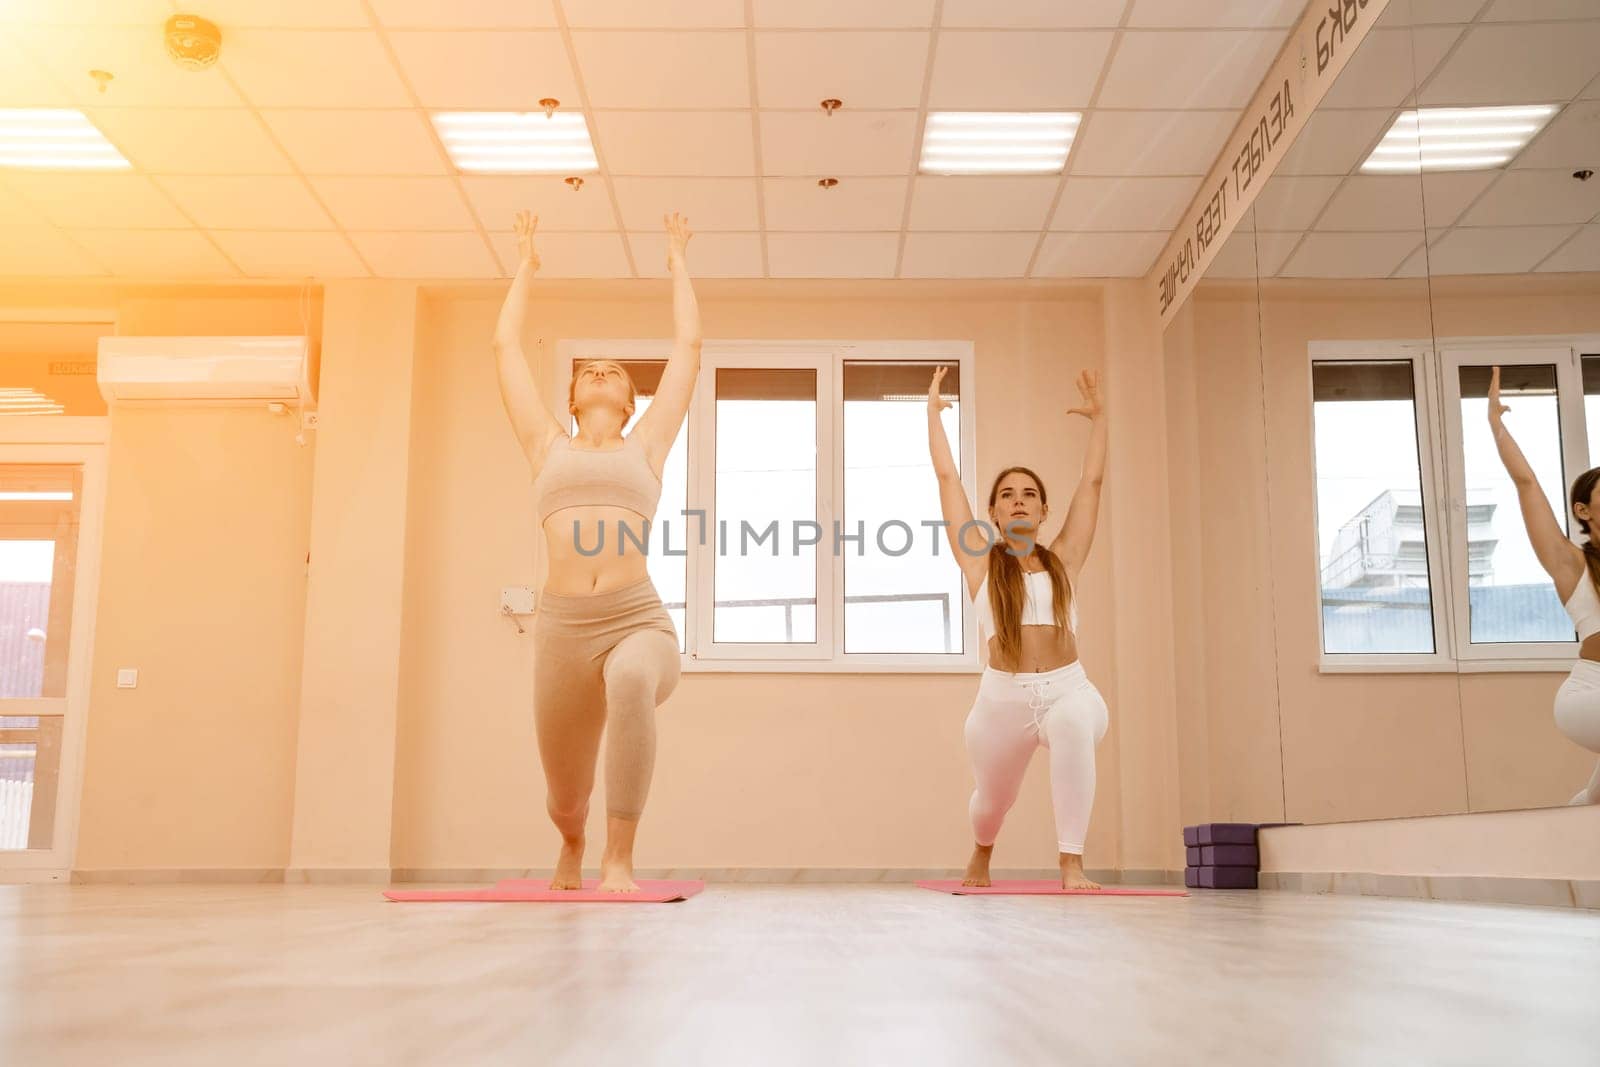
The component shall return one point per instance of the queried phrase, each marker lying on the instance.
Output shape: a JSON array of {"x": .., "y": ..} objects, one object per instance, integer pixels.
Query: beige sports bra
[{"x": 587, "y": 477}]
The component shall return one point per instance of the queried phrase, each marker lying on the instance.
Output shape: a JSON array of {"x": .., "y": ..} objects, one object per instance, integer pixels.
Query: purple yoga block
[
  {"x": 1227, "y": 856},
  {"x": 1227, "y": 877},
  {"x": 1191, "y": 877},
  {"x": 1191, "y": 837},
  {"x": 1192, "y": 856},
  {"x": 1227, "y": 833}
]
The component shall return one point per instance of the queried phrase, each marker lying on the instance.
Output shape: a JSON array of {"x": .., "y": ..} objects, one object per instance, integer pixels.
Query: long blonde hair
[{"x": 1007, "y": 594}]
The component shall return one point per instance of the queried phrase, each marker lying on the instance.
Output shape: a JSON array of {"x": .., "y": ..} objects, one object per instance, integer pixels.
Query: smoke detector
[{"x": 193, "y": 42}]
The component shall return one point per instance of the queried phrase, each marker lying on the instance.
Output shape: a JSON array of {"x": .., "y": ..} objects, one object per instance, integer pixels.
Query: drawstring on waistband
[{"x": 1038, "y": 704}]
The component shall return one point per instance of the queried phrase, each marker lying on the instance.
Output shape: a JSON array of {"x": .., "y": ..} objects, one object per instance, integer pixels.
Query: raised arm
[
  {"x": 1077, "y": 533},
  {"x": 668, "y": 408},
  {"x": 534, "y": 425},
  {"x": 1561, "y": 559},
  {"x": 953, "y": 503}
]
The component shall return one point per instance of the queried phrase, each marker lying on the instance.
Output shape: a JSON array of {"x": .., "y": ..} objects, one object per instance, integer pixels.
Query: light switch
[{"x": 128, "y": 678}]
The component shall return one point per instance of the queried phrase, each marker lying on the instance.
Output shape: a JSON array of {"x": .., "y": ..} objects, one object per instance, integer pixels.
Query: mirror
[{"x": 1411, "y": 642}]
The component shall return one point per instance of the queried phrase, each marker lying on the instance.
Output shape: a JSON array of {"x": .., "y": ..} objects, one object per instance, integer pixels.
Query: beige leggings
[{"x": 602, "y": 662}]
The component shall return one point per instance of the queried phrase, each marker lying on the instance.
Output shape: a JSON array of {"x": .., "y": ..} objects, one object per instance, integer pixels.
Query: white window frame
[
  {"x": 1437, "y": 393},
  {"x": 826, "y": 655}
]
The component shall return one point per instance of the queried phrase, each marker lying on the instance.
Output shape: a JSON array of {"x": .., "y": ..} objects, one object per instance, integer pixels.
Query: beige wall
[{"x": 1353, "y": 746}]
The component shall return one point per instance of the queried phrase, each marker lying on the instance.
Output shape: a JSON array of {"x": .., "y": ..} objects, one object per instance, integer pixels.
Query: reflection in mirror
[
  {"x": 1228, "y": 728},
  {"x": 1368, "y": 705},
  {"x": 1506, "y": 135}
]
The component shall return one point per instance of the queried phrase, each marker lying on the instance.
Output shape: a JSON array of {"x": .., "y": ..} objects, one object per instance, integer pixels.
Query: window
[
  {"x": 1372, "y": 530},
  {"x": 809, "y": 507},
  {"x": 1424, "y": 562}
]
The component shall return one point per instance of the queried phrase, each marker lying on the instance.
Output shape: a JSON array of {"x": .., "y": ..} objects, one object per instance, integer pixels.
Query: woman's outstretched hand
[
  {"x": 1496, "y": 409},
  {"x": 1089, "y": 390},
  {"x": 678, "y": 234},
  {"x": 937, "y": 403},
  {"x": 525, "y": 224}
]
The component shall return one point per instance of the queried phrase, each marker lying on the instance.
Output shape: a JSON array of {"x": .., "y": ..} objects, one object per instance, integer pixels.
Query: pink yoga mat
[
  {"x": 1041, "y": 889},
  {"x": 525, "y": 889}
]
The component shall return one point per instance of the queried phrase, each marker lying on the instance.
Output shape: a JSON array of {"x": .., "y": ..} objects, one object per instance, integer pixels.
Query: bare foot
[
  {"x": 616, "y": 863},
  {"x": 569, "y": 866},
  {"x": 1072, "y": 876},
  {"x": 616, "y": 876},
  {"x": 978, "y": 866}
]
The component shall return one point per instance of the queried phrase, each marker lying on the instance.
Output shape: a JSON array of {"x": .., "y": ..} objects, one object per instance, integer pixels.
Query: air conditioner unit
[{"x": 217, "y": 371}]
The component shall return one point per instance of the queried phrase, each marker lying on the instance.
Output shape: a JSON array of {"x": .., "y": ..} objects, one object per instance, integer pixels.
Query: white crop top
[
  {"x": 1584, "y": 607},
  {"x": 1039, "y": 608}
]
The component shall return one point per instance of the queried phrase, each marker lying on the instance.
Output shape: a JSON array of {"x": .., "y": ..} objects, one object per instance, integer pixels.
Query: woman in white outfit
[
  {"x": 1576, "y": 572},
  {"x": 1034, "y": 691}
]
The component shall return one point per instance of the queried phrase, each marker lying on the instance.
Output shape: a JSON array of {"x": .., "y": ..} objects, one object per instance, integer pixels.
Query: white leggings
[
  {"x": 1013, "y": 715},
  {"x": 1578, "y": 716}
]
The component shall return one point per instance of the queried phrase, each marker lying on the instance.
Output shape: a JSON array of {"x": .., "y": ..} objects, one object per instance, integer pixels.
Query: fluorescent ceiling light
[
  {"x": 55, "y": 139},
  {"x": 511, "y": 142},
  {"x": 997, "y": 142},
  {"x": 1456, "y": 138}
]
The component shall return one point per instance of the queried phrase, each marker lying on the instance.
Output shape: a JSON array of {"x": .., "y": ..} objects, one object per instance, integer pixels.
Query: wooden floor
[{"x": 814, "y": 975}]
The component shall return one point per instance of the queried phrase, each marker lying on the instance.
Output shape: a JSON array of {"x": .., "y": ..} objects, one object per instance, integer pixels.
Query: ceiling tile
[
  {"x": 85, "y": 12},
  {"x": 711, "y": 255},
  {"x": 832, "y": 255},
  {"x": 236, "y": 203},
  {"x": 98, "y": 201},
  {"x": 156, "y": 253},
  {"x": 41, "y": 252},
  {"x": 465, "y": 14},
  {"x": 497, "y": 198},
  {"x": 1528, "y": 10},
  {"x": 23, "y": 83},
  {"x": 1291, "y": 203},
  {"x": 1384, "y": 70},
  {"x": 571, "y": 255},
  {"x": 843, "y": 14},
  {"x": 967, "y": 255},
  {"x": 1350, "y": 255},
  {"x": 357, "y": 142},
  {"x": 1274, "y": 249},
  {"x": 1189, "y": 69},
  {"x": 978, "y": 71},
  {"x": 989, "y": 203},
  {"x": 1334, "y": 142},
  {"x": 839, "y": 145},
  {"x": 234, "y": 15},
  {"x": 1031, "y": 14},
  {"x": 865, "y": 69},
  {"x": 663, "y": 143},
  {"x": 1375, "y": 202},
  {"x": 1235, "y": 259},
  {"x": 854, "y": 204},
  {"x": 1518, "y": 64},
  {"x": 428, "y": 255},
  {"x": 1415, "y": 266},
  {"x": 1123, "y": 203},
  {"x": 1098, "y": 255},
  {"x": 143, "y": 76},
  {"x": 394, "y": 203},
  {"x": 1571, "y": 140},
  {"x": 15, "y": 212},
  {"x": 313, "y": 68},
  {"x": 1535, "y": 198},
  {"x": 1582, "y": 253},
  {"x": 1216, "y": 14},
  {"x": 709, "y": 203},
  {"x": 191, "y": 140},
  {"x": 1446, "y": 195},
  {"x": 264, "y": 254},
  {"x": 664, "y": 70},
  {"x": 473, "y": 71},
  {"x": 1430, "y": 12},
  {"x": 1150, "y": 143},
  {"x": 653, "y": 14},
  {"x": 1494, "y": 250}
]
